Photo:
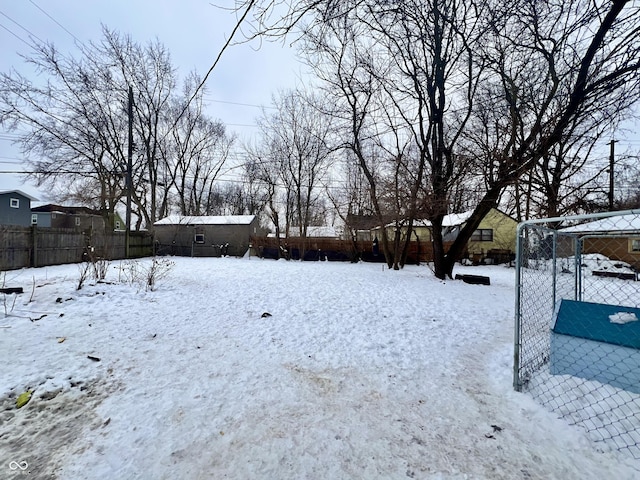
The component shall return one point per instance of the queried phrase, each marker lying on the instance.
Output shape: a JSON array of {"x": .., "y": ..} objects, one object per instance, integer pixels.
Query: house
[
  {"x": 58, "y": 216},
  {"x": 15, "y": 208},
  {"x": 616, "y": 237},
  {"x": 495, "y": 237},
  {"x": 360, "y": 226},
  {"x": 206, "y": 236},
  {"x": 116, "y": 222},
  {"x": 81, "y": 218}
]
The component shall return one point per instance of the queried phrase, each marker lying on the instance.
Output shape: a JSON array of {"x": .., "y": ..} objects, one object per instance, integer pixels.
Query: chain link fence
[{"x": 577, "y": 332}]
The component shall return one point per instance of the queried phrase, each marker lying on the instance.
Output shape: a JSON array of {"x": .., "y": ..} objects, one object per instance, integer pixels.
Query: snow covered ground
[{"x": 262, "y": 369}]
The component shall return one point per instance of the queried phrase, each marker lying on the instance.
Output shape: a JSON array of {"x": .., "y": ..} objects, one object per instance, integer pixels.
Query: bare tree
[
  {"x": 253, "y": 192},
  {"x": 296, "y": 145},
  {"x": 148, "y": 70},
  {"x": 342, "y": 59},
  {"x": 74, "y": 124},
  {"x": 547, "y": 67},
  {"x": 263, "y": 170},
  {"x": 197, "y": 148},
  {"x": 76, "y": 119},
  {"x": 557, "y": 64},
  {"x": 351, "y": 200},
  {"x": 77, "y": 124},
  {"x": 406, "y": 79}
]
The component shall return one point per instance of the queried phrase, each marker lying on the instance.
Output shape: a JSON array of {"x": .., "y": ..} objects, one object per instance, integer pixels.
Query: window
[
  {"x": 14, "y": 203},
  {"x": 482, "y": 235},
  {"x": 117, "y": 224},
  {"x": 634, "y": 245},
  {"x": 77, "y": 221},
  {"x": 199, "y": 238},
  {"x": 34, "y": 219}
]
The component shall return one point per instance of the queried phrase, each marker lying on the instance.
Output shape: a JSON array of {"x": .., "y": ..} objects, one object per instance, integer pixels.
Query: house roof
[
  {"x": 450, "y": 220},
  {"x": 362, "y": 222},
  {"x": 50, "y": 207},
  {"x": 455, "y": 219},
  {"x": 626, "y": 223},
  {"x": 207, "y": 220},
  {"x": 33, "y": 199}
]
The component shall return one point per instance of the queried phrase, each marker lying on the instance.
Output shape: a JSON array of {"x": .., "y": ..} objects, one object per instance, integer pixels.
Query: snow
[
  {"x": 456, "y": 219},
  {"x": 591, "y": 262},
  {"x": 357, "y": 372},
  {"x": 622, "y": 318},
  {"x": 624, "y": 223},
  {"x": 449, "y": 220}
]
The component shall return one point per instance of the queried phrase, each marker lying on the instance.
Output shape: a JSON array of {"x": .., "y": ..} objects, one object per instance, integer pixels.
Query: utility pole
[
  {"x": 129, "y": 181},
  {"x": 611, "y": 163}
]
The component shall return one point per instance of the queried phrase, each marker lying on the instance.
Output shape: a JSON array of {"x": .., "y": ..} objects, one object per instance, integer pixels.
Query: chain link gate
[{"x": 577, "y": 325}]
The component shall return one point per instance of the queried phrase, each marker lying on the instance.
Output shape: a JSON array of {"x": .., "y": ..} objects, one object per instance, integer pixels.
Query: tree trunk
[
  {"x": 459, "y": 245},
  {"x": 437, "y": 241}
]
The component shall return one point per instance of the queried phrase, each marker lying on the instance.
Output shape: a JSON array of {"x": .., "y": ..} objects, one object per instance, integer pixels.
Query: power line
[
  {"x": 56, "y": 21},
  {"x": 239, "y": 103},
  {"x": 22, "y": 27},
  {"x": 17, "y": 36},
  {"x": 241, "y": 125},
  {"x": 333, "y": 184}
]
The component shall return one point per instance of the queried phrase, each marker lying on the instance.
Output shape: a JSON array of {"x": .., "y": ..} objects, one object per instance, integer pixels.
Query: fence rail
[{"x": 22, "y": 247}]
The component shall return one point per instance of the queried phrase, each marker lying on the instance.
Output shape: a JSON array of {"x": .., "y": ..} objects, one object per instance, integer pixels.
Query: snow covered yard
[{"x": 356, "y": 373}]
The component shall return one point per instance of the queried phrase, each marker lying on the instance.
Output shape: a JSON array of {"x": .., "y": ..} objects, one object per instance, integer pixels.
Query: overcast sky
[{"x": 194, "y": 31}]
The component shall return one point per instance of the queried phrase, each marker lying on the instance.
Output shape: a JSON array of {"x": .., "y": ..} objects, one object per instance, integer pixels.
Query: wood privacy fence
[
  {"x": 335, "y": 249},
  {"x": 37, "y": 247}
]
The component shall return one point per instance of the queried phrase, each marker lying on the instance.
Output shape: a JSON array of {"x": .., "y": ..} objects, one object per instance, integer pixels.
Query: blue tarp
[{"x": 593, "y": 321}]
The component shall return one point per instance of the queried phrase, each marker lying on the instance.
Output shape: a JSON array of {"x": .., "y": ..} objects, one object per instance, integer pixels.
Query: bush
[{"x": 136, "y": 272}]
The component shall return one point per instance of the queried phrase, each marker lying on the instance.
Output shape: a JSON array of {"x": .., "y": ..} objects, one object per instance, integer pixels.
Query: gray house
[
  {"x": 206, "y": 236},
  {"x": 58, "y": 216},
  {"x": 15, "y": 208}
]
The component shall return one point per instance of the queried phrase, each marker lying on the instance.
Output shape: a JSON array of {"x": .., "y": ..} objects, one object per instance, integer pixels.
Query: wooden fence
[
  {"x": 37, "y": 247},
  {"x": 335, "y": 249}
]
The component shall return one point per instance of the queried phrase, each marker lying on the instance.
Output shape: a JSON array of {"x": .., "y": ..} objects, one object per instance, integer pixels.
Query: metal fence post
[
  {"x": 578, "y": 267},
  {"x": 517, "y": 385},
  {"x": 554, "y": 269}
]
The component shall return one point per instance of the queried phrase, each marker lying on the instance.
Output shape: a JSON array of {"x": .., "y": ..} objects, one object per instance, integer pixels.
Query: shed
[
  {"x": 616, "y": 237},
  {"x": 597, "y": 341},
  {"x": 205, "y": 236}
]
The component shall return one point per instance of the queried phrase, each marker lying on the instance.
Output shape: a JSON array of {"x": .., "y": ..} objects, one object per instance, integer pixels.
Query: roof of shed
[
  {"x": 207, "y": 220},
  {"x": 629, "y": 222}
]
